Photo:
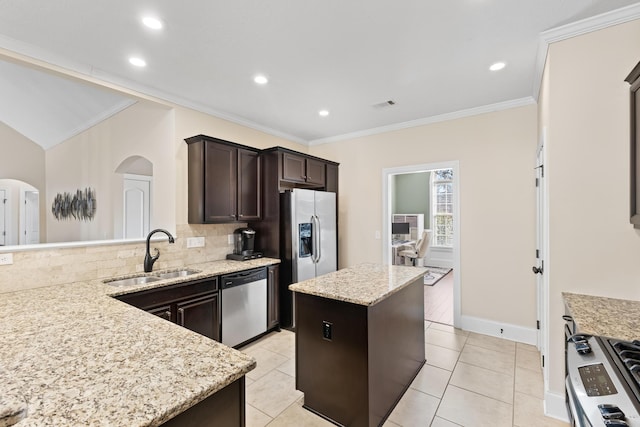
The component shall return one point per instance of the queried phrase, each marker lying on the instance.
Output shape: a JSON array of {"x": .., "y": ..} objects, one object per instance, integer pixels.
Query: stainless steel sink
[
  {"x": 132, "y": 281},
  {"x": 178, "y": 273}
]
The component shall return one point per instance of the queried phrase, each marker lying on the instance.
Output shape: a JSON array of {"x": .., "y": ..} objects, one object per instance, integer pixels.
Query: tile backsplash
[{"x": 45, "y": 267}]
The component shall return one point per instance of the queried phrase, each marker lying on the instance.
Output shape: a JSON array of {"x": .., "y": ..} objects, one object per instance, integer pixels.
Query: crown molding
[
  {"x": 578, "y": 28},
  {"x": 35, "y": 56},
  {"x": 490, "y": 108}
]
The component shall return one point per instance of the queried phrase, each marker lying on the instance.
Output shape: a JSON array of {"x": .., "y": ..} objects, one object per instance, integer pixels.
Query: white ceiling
[{"x": 430, "y": 57}]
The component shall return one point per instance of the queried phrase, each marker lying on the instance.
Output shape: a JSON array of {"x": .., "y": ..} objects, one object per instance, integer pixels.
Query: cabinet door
[
  {"x": 220, "y": 178},
  {"x": 201, "y": 315},
  {"x": 315, "y": 172},
  {"x": 249, "y": 190},
  {"x": 293, "y": 168},
  {"x": 164, "y": 312},
  {"x": 332, "y": 178},
  {"x": 273, "y": 297}
]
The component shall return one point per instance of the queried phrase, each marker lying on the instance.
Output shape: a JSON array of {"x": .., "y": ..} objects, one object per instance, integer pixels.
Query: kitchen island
[
  {"x": 73, "y": 355},
  {"x": 359, "y": 341}
]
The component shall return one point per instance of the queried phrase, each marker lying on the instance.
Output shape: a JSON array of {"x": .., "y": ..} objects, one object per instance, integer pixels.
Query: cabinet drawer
[{"x": 166, "y": 295}]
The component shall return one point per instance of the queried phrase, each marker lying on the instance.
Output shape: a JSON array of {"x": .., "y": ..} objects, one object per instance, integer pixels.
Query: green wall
[{"x": 412, "y": 194}]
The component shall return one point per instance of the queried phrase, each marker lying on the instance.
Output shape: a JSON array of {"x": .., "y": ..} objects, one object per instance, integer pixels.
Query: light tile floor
[
  {"x": 469, "y": 380},
  {"x": 438, "y": 300}
]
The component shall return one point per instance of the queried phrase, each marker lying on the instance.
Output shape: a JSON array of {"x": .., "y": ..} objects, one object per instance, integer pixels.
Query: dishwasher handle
[{"x": 243, "y": 277}]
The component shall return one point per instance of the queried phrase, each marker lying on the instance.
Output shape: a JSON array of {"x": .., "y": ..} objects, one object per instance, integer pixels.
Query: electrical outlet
[
  {"x": 326, "y": 330},
  {"x": 195, "y": 242},
  {"x": 6, "y": 259},
  {"x": 377, "y": 234},
  {"x": 230, "y": 239}
]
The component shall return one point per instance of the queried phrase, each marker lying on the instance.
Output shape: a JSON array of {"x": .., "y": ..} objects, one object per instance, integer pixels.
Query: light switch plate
[
  {"x": 6, "y": 259},
  {"x": 195, "y": 242}
]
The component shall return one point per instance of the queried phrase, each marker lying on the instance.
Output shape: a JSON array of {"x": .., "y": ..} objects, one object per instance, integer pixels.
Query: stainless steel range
[{"x": 603, "y": 381}]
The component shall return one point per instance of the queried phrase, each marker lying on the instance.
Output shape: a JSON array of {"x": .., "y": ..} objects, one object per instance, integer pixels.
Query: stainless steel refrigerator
[{"x": 309, "y": 242}]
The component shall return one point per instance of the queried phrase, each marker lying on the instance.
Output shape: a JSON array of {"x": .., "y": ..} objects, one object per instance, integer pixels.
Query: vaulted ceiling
[{"x": 430, "y": 58}]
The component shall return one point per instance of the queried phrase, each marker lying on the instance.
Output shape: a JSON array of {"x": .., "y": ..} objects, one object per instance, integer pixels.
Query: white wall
[
  {"x": 585, "y": 108},
  {"x": 496, "y": 153}
]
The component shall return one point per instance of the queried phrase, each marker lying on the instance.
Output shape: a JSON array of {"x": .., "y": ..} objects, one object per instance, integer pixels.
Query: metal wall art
[{"x": 80, "y": 206}]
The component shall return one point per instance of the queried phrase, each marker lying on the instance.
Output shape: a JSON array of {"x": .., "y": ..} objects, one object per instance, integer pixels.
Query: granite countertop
[
  {"x": 363, "y": 284},
  {"x": 72, "y": 355},
  {"x": 609, "y": 317}
]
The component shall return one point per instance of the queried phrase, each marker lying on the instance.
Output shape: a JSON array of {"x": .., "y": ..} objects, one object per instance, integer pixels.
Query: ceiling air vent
[{"x": 385, "y": 104}]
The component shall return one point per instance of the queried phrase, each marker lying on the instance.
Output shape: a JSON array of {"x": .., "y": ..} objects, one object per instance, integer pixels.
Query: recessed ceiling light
[
  {"x": 138, "y": 62},
  {"x": 260, "y": 79},
  {"x": 497, "y": 66},
  {"x": 151, "y": 22},
  {"x": 323, "y": 113}
]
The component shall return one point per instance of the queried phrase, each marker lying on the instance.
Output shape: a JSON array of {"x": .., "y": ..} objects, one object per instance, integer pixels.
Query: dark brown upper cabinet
[
  {"x": 634, "y": 80},
  {"x": 224, "y": 181},
  {"x": 301, "y": 169}
]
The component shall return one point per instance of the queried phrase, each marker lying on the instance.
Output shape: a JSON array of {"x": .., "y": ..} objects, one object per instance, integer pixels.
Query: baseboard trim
[
  {"x": 500, "y": 330},
  {"x": 555, "y": 407}
]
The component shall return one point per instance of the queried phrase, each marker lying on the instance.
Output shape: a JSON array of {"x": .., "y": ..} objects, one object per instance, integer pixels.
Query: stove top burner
[{"x": 626, "y": 355}]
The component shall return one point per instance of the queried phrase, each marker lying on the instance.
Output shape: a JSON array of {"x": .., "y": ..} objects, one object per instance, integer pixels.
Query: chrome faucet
[{"x": 148, "y": 259}]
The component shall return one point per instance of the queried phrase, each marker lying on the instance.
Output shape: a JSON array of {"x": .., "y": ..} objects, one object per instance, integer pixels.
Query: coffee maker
[{"x": 243, "y": 245}]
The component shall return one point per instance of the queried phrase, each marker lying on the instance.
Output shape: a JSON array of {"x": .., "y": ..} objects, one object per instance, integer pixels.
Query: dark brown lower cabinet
[
  {"x": 224, "y": 408},
  {"x": 194, "y": 305},
  {"x": 201, "y": 315},
  {"x": 354, "y": 362},
  {"x": 164, "y": 312},
  {"x": 273, "y": 297}
]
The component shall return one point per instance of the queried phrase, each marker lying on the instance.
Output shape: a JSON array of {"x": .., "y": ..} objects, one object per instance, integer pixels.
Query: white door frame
[
  {"x": 542, "y": 245},
  {"x": 386, "y": 215},
  {"x": 4, "y": 237}
]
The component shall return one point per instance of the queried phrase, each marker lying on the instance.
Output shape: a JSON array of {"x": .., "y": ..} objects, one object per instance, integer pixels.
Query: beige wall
[
  {"x": 585, "y": 107},
  {"x": 91, "y": 158},
  {"x": 21, "y": 158},
  {"x": 496, "y": 154},
  {"x": 24, "y": 160}
]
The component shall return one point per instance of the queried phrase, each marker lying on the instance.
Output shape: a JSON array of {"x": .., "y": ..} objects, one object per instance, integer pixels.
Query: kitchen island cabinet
[{"x": 359, "y": 341}]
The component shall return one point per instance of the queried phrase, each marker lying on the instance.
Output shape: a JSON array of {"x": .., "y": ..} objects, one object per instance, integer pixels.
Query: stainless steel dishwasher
[{"x": 244, "y": 306}]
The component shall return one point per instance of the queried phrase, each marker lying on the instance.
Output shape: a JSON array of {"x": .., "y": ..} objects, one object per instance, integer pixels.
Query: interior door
[
  {"x": 538, "y": 269},
  {"x": 137, "y": 210},
  {"x": 31, "y": 217}
]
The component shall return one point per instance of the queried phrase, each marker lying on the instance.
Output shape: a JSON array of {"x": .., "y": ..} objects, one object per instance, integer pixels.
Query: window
[{"x": 442, "y": 207}]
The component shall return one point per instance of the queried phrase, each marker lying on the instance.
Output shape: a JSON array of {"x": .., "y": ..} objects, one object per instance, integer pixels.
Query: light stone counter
[
  {"x": 72, "y": 355},
  {"x": 363, "y": 284},
  {"x": 609, "y": 317}
]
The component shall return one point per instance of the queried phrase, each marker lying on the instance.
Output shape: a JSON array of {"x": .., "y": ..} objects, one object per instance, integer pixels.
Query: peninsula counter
[{"x": 359, "y": 341}]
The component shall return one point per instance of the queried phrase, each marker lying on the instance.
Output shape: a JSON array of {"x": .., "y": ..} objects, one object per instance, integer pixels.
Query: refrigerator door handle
[{"x": 316, "y": 239}]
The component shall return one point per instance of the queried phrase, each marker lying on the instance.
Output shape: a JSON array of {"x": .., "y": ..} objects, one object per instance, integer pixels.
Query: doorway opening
[{"x": 452, "y": 279}]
